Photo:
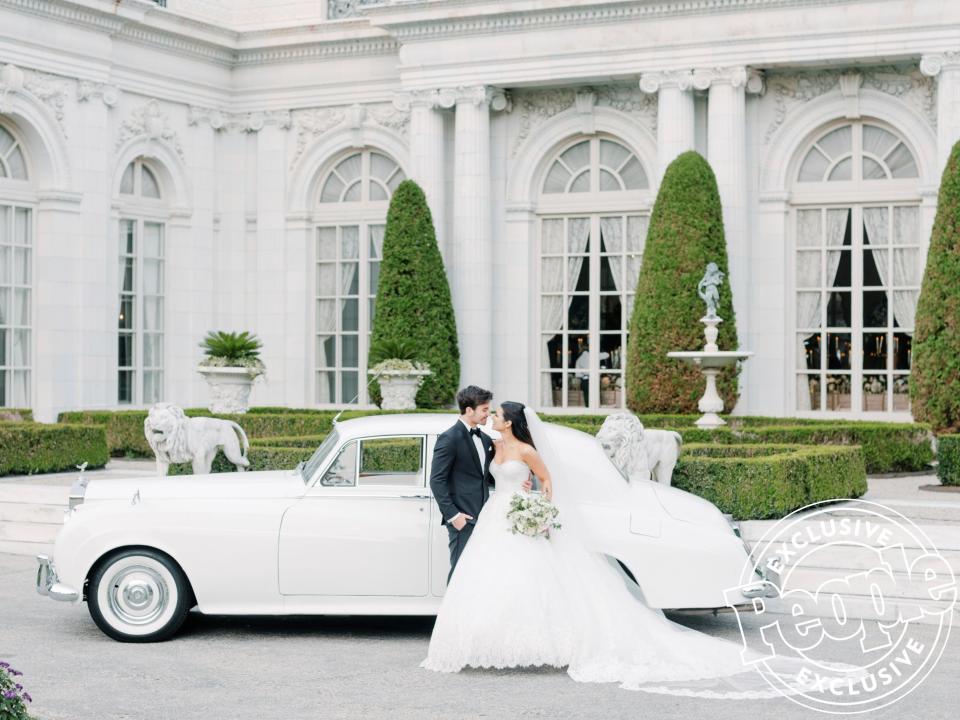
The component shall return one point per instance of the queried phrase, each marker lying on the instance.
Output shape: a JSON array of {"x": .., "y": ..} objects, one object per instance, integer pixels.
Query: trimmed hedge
[
  {"x": 27, "y": 447},
  {"x": 935, "y": 376},
  {"x": 413, "y": 297},
  {"x": 948, "y": 459},
  {"x": 125, "y": 427},
  {"x": 753, "y": 482},
  {"x": 686, "y": 233},
  {"x": 887, "y": 447},
  {"x": 9, "y": 414},
  {"x": 261, "y": 458}
]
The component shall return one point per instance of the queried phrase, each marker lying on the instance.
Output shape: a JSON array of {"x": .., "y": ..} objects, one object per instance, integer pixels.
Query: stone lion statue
[
  {"x": 176, "y": 438},
  {"x": 640, "y": 454}
]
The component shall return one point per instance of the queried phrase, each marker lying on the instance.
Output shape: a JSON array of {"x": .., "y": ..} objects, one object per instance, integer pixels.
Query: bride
[{"x": 517, "y": 600}]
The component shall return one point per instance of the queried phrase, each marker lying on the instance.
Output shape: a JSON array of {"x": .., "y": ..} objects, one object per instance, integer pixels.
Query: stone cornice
[
  {"x": 156, "y": 27},
  {"x": 416, "y": 21}
]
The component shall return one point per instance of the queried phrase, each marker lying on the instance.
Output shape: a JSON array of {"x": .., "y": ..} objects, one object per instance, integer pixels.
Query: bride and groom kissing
[{"x": 518, "y": 600}]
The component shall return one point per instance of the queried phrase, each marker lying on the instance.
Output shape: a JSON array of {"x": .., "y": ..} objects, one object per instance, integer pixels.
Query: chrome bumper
[{"x": 49, "y": 584}]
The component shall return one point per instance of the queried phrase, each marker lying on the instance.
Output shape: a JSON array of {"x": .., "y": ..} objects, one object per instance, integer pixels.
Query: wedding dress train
[{"x": 516, "y": 601}]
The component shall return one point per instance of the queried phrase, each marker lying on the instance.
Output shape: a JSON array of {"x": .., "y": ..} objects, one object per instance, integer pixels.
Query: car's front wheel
[{"x": 138, "y": 595}]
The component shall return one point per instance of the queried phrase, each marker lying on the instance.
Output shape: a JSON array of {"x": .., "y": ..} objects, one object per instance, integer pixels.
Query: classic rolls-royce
[{"x": 354, "y": 530}]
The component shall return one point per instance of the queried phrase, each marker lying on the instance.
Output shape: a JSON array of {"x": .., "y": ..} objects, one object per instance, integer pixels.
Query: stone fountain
[{"x": 711, "y": 359}]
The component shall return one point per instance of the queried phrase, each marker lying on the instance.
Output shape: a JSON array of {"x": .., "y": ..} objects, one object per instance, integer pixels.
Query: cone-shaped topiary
[
  {"x": 935, "y": 380},
  {"x": 685, "y": 233},
  {"x": 413, "y": 298}
]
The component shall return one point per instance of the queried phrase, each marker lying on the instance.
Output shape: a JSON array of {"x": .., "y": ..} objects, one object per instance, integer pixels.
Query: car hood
[{"x": 267, "y": 484}]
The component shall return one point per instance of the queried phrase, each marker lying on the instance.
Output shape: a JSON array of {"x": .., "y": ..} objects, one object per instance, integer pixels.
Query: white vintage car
[{"x": 353, "y": 531}]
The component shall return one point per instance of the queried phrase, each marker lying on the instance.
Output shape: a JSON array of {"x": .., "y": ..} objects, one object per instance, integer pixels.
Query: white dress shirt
[{"x": 481, "y": 455}]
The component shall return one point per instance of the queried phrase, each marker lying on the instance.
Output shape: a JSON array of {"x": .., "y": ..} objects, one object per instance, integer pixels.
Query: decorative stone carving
[
  {"x": 537, "y": 106},
  {"x": 310, "y": 124},
  {"x": 51, "y": 90},
  {"x": 388, "y": 115},
  {"x": 398, "y": 388},
  {"x": 175, "y": 438},
  {"x": 651, "y": 82},
  {"x": 639, "y": 454},
  {"x": 88, "y": 90},
  {"x": 907, "y": 83},
  {"x": 151, "y": 122},
  {"x": 934, "y": 63},
  {"x": 703, "y": 78},
  {"x": 850, "y": 88},
  {"x": 229, "y": 388},
  {"x": 339, "y": 9}
]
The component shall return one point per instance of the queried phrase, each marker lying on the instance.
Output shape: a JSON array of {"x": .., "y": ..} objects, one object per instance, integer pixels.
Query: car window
[
  {"x": 316, "y": 460},
  {"x": 343, "y": 471},
  {"x": 391, "y": 461}
]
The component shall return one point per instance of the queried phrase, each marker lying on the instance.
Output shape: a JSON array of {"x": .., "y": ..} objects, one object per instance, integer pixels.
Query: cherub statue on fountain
[{"x": 707, "y": 288}]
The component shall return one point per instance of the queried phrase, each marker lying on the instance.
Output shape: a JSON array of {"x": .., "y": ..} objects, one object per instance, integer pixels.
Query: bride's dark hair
[{"x": 513, "y": 412}]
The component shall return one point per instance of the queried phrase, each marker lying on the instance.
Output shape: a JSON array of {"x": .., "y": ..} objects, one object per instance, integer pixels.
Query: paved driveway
[{"x": 331, "y": 668}]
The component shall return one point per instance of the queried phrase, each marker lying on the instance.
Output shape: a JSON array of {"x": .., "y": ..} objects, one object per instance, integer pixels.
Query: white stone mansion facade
[{"x": 171, "y": 168}]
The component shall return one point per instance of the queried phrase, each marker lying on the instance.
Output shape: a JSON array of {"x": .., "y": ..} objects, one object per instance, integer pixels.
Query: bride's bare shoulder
[{"x": 528, "y": 452}]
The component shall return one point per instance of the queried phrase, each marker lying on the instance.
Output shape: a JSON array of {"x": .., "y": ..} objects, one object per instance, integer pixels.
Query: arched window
[
  {"x": 591, "y": 245},
  {"x": 140, "y": 328},
  {"x": 354, "y": 195},
  {"x": 857, "y": 270},
  {"x": 16, "y": 274}
]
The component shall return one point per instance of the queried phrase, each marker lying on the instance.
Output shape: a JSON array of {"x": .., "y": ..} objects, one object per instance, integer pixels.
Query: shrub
[
  {"x": 686, "y": 232},
  {"x": 261, "y": 458},
  {"x": 125, "y": 427},
  {"x": 413, "y": 297},
  {"x": 13, "y": 696},
  {"x": 16, "y": 414},
  {"x": 948, "y": 459},
  {"x": 27, "y": 448},
  {"x": 935, "y": 376},
  {"x": 754, "y": 482},
  {"x": 887, "y": 447}
]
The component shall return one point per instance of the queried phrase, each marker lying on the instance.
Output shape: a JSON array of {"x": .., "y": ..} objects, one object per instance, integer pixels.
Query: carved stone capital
[
  {"x": 88, "y": 90},
  {"x": 214, "y": 117},
  {"x": 494, "y": 98},
  {"x": 935, "y": 63},
  {"x": 407, "y": 99},
  {"x": 756, "y": 82},
  {"x": 704, "y": 78},
  {"x": 651, "y": 83}
]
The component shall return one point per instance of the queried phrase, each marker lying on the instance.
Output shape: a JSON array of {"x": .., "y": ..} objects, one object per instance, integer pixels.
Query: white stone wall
[{"x": 242, "y": 106}]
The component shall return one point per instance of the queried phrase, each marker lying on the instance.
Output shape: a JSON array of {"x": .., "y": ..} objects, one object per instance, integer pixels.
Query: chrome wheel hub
[{"x": 138, "y": 595}]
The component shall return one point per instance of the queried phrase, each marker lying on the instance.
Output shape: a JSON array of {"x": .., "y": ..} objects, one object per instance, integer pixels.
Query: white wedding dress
[{"x": 516, "y": 601}]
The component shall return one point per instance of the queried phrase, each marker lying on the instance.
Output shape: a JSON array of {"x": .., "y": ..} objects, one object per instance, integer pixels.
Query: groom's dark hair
[{"x": 471, "y": 396}]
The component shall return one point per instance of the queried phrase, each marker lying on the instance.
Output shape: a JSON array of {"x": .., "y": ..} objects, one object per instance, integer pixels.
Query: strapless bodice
[{"x": 509, "y": 474}]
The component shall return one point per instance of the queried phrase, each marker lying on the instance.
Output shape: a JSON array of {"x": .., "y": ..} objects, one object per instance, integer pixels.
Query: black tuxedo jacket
[{"x": 457, "y": 479}]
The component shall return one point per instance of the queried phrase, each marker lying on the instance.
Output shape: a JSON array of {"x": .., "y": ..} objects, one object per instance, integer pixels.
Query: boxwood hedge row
[
  {"x": 948, "y": 459},
  {"x": 27, "y": 447},
  {"x": 754, "y": 482}
]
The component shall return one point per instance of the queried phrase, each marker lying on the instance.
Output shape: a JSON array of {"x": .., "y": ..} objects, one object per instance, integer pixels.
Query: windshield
[{"x": 309, "y": 468}]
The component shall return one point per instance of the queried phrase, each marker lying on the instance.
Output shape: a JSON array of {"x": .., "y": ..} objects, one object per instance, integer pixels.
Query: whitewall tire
[{"x": 138, "y": 595}]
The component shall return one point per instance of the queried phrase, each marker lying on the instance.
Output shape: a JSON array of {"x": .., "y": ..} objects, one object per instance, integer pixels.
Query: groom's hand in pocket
[{"x": 460, "y": 520}]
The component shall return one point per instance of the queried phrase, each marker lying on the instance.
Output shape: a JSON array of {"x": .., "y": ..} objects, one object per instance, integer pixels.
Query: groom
[{"x": 460, "y": 476}]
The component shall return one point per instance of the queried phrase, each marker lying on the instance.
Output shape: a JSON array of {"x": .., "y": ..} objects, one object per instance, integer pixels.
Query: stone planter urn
[
  {"x": 398, "y": 388},
  {"x": 229, "y": 388}
]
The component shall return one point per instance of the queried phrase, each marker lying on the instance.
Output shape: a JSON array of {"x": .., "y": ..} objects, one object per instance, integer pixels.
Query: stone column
[
  {"x": 427, "y": 152},
  {"x": 675, "y": 118},
  {"x": 470, "y": 248},
  {"x": 945, "y": 67}
]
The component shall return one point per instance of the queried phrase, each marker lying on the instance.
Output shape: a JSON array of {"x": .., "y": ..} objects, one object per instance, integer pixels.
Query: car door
[{"x": 363, "y": 527}]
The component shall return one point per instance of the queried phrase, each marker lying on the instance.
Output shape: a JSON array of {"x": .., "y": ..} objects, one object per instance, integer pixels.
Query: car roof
[{"x": 399, "y": 423}]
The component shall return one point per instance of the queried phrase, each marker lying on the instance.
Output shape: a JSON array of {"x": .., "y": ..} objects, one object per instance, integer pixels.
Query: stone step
[
  {"x": 30, "y": 512},
  {"x": 29, "y": 532},
  {"x": 14, "y": 547},
  {"x": 854, "y": 584},
  {"x": 944, "y": 537},
  {"x": 35, "y": 494}
]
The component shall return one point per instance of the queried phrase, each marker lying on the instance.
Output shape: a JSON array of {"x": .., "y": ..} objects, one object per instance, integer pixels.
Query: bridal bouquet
[{"x": 532, "y": 515}]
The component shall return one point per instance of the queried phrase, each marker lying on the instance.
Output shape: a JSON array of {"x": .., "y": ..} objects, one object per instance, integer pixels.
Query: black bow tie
[{"x": 474, "y": 431}]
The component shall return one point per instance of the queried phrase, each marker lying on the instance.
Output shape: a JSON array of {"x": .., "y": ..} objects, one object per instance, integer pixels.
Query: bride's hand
[{"x": 546, "y": 489}]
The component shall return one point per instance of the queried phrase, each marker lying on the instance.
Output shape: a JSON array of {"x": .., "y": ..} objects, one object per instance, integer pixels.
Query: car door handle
[{"x": 416, "y": 496}]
